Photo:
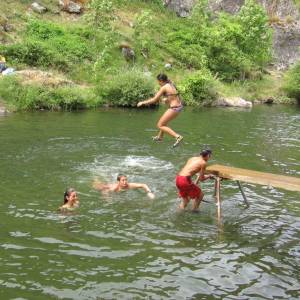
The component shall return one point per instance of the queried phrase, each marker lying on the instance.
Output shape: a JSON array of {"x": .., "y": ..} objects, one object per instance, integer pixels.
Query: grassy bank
[{"x": 210, "y": 58}]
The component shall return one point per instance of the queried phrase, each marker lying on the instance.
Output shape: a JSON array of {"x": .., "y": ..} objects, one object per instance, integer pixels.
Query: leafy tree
[{"x": 256, "y": 35}]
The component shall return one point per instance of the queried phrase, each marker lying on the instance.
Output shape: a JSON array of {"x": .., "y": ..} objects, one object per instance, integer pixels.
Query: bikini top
[{"x": 175, "y": 94}]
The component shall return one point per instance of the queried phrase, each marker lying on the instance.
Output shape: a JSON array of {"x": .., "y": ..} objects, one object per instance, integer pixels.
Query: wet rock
[
  {"x": 232, "y": 102},
  {"x": 38, "y": 8},
  {"x": 269, "y": 100},
  {"x": 70, "y": 6}
]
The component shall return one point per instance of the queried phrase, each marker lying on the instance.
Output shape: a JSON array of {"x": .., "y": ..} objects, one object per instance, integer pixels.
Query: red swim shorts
[{"x": 186, "y": 188}]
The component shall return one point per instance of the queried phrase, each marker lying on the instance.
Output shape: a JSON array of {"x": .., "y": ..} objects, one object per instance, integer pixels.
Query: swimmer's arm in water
[
  {"x": 142, "y": 186},
  {"x": 103, "y": 187},
  {"x": 154, "y": 99}
]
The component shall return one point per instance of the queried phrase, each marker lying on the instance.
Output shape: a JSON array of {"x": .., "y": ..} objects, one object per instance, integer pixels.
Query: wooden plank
[{"x": 278, "y": 181}]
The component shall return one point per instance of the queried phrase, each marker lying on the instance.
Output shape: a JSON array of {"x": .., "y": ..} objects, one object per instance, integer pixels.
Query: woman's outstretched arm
[{"x": 152, "y": 100}]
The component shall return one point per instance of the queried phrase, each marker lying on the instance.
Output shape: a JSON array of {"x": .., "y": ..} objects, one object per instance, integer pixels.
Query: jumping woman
[{"x": 169, "y": 92}]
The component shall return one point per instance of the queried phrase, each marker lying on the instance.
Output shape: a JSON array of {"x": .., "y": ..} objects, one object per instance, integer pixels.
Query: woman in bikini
[{"x": 169, "y": 91}]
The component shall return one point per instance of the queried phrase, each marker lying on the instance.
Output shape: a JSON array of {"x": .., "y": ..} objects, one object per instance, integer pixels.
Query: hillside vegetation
[{"x": 208, "y": 57}]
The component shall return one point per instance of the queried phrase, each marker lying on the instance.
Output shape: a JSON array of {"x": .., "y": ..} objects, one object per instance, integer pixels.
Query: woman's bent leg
[{"x": 165, "y": 119}]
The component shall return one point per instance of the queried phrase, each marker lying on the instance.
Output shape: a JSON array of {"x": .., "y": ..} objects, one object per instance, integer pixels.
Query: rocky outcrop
[
  {"x": 283, "y": 16},
  {"x": 232, "y": 102}
]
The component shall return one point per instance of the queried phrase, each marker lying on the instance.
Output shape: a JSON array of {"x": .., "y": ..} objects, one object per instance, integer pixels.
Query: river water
[{"x": 127, "y": 246}]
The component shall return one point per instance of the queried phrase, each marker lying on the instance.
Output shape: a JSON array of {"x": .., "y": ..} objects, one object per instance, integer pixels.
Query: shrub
[
  {"x": 49, "y": 45},
  {"x": 33, "y": 97},
  {"x": 292, "y": 82},
  {"x": 127, "y": 88},
  {"x": 199, "y": 88},
  {"x": 180, "y": 42},
  {"x": 43, "y": 30}
]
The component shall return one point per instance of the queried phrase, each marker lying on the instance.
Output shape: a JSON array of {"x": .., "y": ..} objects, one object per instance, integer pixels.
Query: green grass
[{"x": 270, "y": 86}]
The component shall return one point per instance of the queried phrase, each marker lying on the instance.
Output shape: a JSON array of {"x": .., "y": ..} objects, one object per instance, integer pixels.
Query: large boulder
[
  {"x": 181, "y": 7},
  {"x": 127, "y": 52},
  {"x": 36, "y": 7},
  {"x": 232, "y": 102},
  {"x": 70, "y": 6}
]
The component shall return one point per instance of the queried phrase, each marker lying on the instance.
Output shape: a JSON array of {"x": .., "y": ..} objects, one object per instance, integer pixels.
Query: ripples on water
[{"x": 129, "y": 247}]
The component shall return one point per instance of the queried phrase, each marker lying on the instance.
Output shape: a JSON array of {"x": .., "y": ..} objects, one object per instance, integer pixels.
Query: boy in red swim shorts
[{"x": 187, "y": 189}]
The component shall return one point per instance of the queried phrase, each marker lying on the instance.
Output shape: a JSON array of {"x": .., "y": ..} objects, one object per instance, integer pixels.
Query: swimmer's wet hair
[
  {"x": 120, "y": 176},
  {"x": 206, "y": 152},
  {"x": 162, "y": 77},
  {"x": 67, "y": 193}
]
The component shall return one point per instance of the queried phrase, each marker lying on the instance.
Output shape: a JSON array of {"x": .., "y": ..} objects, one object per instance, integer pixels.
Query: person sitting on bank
[
  {"x": 187, "y": 189},
  {"x": 2, "y": 64},
  {"x": 122, "y": 184},
  {"x": 71, "y": 201}
]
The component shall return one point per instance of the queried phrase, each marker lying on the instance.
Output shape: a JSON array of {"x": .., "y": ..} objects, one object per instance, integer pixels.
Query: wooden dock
[
  {"x": 249, "y": 176},
  {"x": 244, "y": 175}
]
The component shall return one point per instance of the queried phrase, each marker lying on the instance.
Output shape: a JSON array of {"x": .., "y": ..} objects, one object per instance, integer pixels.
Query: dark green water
[{"x": 127, "y": 246}]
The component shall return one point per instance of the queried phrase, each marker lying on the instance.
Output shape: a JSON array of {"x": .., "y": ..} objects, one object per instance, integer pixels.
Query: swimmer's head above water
[
  {"x": 70, "y": 195},
  {"x": 123, "y": 181},
  {"x": 71, "y": 200},
  {"x": 206, "y": 154}
]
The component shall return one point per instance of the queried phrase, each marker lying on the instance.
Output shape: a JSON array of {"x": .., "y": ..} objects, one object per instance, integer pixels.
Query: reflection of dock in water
[{"x": 250, "y": 176}]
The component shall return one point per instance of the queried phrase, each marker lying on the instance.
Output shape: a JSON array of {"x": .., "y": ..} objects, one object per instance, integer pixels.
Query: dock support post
[
  {"x": 215, "y": 191},
  {"x": 243, "y": 194},
  {"x": 218, "y": 197}
]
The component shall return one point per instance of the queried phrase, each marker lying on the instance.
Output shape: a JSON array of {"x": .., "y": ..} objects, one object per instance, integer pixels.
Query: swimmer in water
[
  {"x": 172, "y": 98},
  {"x": 122, "y": 184},
  {"x": 71, "y": 200},
  {"x": 187, "y": 189}
]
